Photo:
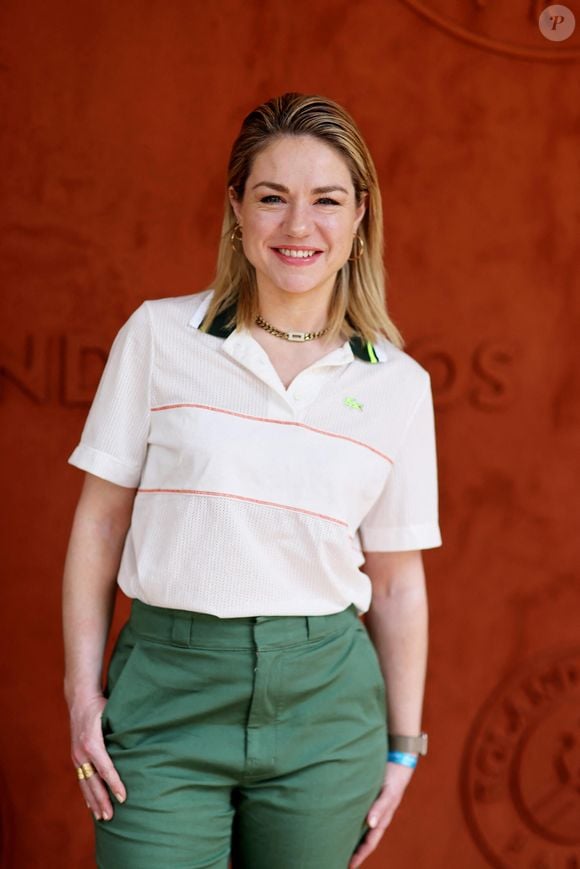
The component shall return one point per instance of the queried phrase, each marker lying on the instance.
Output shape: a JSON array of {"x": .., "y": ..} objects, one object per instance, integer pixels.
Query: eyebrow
[{"x": 280, "y": 187}]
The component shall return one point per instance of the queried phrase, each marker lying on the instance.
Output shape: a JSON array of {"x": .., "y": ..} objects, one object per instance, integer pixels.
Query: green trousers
[{"x": 259, "y": 740}]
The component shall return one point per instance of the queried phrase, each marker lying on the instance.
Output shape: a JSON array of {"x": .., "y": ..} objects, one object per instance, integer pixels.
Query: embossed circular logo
[
  {"x": 521, "y": 769},
  {"x": 557, "y": 23},
  {"x": 520, "y": 28}
]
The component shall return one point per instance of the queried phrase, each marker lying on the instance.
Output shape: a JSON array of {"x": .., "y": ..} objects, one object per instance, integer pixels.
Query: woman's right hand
[{"x": 88, "y": 746}]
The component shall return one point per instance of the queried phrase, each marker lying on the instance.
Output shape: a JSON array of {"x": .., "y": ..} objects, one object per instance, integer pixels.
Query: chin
[
  {"x": 298, "y": 287},
  {"x": 300, "y": 291}
]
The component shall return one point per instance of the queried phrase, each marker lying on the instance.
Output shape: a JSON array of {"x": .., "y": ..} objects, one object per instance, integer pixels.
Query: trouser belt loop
[
  {"x": 181, "y": 630},
  {"x": 315, "y": 627}
]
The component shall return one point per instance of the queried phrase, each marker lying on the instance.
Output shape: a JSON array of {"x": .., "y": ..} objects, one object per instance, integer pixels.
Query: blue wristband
[{"x": 404, "y": 758}]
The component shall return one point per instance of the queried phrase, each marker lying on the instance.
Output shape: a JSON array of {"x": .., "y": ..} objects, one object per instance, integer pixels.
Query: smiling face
[{"x": 298, "y": 216}]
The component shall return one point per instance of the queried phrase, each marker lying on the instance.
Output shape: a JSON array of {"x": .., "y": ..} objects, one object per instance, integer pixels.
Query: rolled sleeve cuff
[
  {"x": 106, "y": 466},
  {"x": 401, "y": 539}
]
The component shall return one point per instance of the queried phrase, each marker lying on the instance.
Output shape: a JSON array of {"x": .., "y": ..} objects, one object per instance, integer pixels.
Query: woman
[{"x": 261, "y": 470}]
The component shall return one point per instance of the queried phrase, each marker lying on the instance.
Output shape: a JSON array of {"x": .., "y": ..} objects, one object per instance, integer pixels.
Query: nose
[{"x": 298, "y": 219}]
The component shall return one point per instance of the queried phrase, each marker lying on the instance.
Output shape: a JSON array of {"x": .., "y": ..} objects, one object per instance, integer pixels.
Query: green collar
[{"x": 361, "y": 349}]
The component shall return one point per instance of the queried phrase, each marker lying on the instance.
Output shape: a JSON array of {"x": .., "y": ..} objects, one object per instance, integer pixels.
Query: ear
[
  {"x": 234, "y": 202},
  {"x": 360, "y": 211}
]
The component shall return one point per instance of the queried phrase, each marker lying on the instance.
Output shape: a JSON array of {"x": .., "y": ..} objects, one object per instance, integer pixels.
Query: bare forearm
[
  {"x": 89, "y": 585},
  {"x": 88, "y": 598},
  {"x": 398, "y": 626}
]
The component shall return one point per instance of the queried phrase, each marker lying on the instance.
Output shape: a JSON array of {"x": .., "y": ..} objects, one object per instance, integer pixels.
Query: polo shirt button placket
[
  {"x": 299, "y": 402},
  {"x": 301, "y": 394}
]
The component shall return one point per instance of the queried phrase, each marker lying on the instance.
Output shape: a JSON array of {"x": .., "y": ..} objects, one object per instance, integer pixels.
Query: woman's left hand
[{"x": 380, "y": 814}]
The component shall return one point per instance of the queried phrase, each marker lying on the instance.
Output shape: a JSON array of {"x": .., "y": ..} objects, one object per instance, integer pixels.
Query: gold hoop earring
[
  {"x": 359, "y": 245},
  {"x": 236, "y": 236}
]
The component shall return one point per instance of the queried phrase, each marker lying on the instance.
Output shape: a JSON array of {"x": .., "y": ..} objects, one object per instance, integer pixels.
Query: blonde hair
[{"x": 358, "y": 304}]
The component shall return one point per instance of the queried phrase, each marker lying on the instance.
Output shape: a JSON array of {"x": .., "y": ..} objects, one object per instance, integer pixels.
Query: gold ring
[
  {"x": 80, "y": 773},
  {"x": 88, "y": 769}
]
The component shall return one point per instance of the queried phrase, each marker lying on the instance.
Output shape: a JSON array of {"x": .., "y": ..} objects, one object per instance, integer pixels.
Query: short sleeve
[
  {"x": 405, "y": 515},
  {"x": 113, "y": 444}
]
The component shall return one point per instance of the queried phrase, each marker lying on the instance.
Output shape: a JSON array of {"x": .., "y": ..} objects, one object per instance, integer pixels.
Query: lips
[{"x": 297, "y": 256}]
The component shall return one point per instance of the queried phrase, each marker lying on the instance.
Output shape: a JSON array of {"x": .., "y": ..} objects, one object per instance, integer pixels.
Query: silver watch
[{"x": 410, "y": 744}]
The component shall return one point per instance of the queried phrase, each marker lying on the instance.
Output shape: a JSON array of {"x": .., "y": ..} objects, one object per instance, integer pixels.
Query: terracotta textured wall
[{"x": 117, "y": 120}]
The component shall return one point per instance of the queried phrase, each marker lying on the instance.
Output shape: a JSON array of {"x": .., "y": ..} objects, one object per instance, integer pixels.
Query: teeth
[{"x": 298, "y": 254}]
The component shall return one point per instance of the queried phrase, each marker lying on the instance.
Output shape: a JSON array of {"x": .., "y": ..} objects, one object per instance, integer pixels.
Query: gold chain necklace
[{"x": 290, "y": 336}]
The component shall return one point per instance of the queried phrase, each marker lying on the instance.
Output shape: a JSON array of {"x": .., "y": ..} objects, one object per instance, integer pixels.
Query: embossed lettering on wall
[
  {"x": 505, "y": 28},
  {"x": 485, "y": 379},
  {"x": 521, "y": 771},
  {"x": 65, "y": 369}
]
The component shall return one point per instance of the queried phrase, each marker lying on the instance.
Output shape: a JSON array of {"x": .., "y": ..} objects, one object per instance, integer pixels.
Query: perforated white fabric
[{"x": 253, "y": 499}]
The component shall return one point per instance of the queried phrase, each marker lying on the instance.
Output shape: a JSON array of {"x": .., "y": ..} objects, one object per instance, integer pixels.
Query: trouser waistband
[{"x": 184, "y": 628}]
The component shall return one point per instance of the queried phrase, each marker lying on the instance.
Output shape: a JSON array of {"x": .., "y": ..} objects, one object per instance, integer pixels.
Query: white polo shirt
[{"x": 253, "y": 499}]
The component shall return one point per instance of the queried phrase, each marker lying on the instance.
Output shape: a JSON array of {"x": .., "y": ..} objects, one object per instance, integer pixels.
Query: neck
[{"x": 294, "y": 312}]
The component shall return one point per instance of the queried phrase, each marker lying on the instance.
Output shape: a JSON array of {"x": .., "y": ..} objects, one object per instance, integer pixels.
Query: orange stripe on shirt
[
  {"x": 243, "y": 498},
  {"x": 303, "y": 425}
]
